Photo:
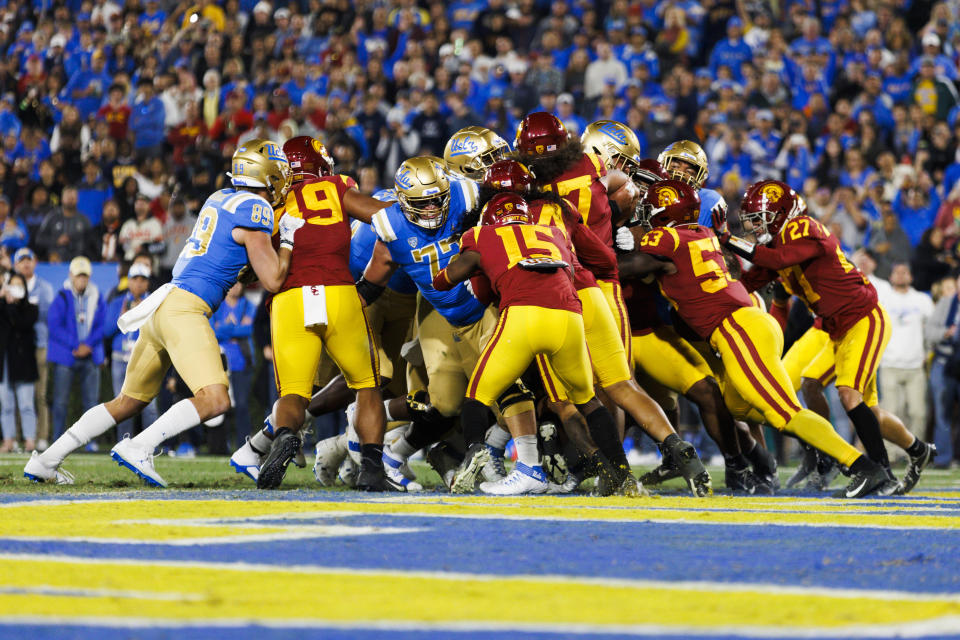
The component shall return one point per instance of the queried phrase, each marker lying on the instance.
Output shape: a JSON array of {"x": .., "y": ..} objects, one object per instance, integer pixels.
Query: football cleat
[
  {"x": 494, "y": 470},
  {"x": 348, "y": 472},
  {"x": 442, "y": 459},
  {"x": 917, "y": 464},
  {"x": 37, "y": 471},
  {"x": 569, "y": 485},
  {"x": 394, "y": 470},
  {"x": 665, "y": 471},
  {"x": 137, "y": 459},
  {"x": 330, "y": 454},
  {"x": 374, "y": 478},
  {"x": 690, "y": 466},
  {"x": 281, "y": 454},
  {"x": 246, "y": 461},
  {"x": 609, "y": 477},
  {"x": 522, "y": 480},
  {"x": 552, "y": 460},
  {"x": 465, "y": 478},
  {"x": 746, "y": 481},
  {"x": 808, "y": 465},
  {"x": 891, "y": 486},
  {"x": 864, "y": 483}
]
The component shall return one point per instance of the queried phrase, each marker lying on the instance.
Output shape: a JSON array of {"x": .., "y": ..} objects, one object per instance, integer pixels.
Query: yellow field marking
[{"x": 239, "y": 593}]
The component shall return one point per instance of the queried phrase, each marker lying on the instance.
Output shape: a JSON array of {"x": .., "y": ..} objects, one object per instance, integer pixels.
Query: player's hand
[
  {"x": 469, "y": 286},
  {"x": 669, "y": 268},
  {"x": 288, "y": 227},
  {"x": 719, "y": 218},
  {"x": 247, "y": 275},
  {"x": 624, "y": 239}
]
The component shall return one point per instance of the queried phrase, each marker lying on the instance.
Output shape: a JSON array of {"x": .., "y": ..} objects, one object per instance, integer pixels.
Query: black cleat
[
  {"x": 746, "y": 481},
  {"x": 445, "y": 460},
  {"x": 864, "y": 483},
  {"x": 807, "y": 466},
  {"x": 683, "y": 454},
  {"x": 917, "y": 464},
  {"x": 285, "y": 447},
  {"x": 373, "y": 478},
  {"x": 889, "y": 487},
  {"x": 609, "y": 478}
]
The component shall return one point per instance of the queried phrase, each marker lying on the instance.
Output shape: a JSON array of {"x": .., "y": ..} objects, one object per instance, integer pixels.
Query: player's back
[
  {"x": 510, "y": 255},
  {"x": 702, "y": 290},
  {"x": 322, "y": 253},
  {"x": 211, "y": 259},
  {"x": 544, "y": 212},
  {"x": 830, "y": 285},
  {"x": 580, "y": 185}
]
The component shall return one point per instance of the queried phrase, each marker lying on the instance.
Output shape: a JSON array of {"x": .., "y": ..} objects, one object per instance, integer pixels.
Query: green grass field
[{"x": 96, "y": 472}]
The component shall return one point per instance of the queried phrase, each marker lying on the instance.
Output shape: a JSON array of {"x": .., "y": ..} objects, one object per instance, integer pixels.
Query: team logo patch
[
  {"x": 611, "y": 130},
  {"x": 463, "y": 145},
  {"x": 316, "y": 145},
  {"x": 403, "y": 179},
  {"x": 667, "y": 196},
  {"x": 772, "y": 192},
  {"x": 412, "y": 242},
  {"x": 540, "y": 148},
  {"x": 508, "y": 206},
  {"x": 274, "y": 152}
]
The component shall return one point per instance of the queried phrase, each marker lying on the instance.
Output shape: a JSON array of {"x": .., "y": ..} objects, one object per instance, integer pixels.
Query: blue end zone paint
[{"x": 919, "y": 561}]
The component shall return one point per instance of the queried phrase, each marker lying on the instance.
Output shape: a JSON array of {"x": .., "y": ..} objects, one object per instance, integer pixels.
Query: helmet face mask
[
  {"x": 262, "y": 164},
  {"x": 680, "y": 156},
  {"x": 423, "y": 192},
  {"x": 767, "y": 206},
  {"x": 472, "y": 150}
]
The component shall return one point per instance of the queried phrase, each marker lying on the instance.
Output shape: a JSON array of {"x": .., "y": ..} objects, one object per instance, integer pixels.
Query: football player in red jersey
[
  {"x": 529, "y": 270},
  {"x": 318, "y": 309},
  {"x": 560, "y": 165},
  {"x": 809, "y": 262},
  {"x": 607, "y": 354},
  {"x": 749, "y": 341}
]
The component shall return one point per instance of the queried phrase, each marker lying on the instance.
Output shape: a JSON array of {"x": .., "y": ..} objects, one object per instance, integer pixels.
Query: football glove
[
  {"x": 288, "y": 227},
  {"x": 624, "y": 240}
]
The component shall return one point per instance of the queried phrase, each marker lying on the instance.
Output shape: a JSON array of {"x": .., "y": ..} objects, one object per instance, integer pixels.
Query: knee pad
[{"x": 515, "y": 400}]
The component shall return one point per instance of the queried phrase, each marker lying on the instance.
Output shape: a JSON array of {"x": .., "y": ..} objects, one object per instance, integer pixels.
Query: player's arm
[
  {"x": 622, "y": 192},
  {"x": 360, "y": 206},
  {"x": 638, "y": 264},
  {"x": 270, "y": 266},
  {"x": 459, "y": 269},
  {"x": 377, "y": 274},
  {"x": 757, "y": 277}
]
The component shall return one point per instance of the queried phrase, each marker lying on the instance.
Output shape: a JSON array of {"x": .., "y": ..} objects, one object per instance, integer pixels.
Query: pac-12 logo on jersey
[
  {"x": 611, "y": 130},
  {"x": 462, "y": 145}
]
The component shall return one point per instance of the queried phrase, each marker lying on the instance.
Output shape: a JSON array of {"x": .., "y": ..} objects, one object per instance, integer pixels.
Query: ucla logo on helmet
[
  {"x": 667, "y": 196},
  {"x": 462, "y": 145},
  {"x": 772, "y": 192},
  {"x": 403, "y": 179},
  {"x": 613, "y": 131},
  {"x": 274, "y": 152}
]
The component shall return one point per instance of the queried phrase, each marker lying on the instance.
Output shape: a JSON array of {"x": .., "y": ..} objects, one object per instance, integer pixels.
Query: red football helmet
[
  {"x": 670, "y": 203},
  {"x": 767, "y": 205},
  {"x": 540, "y": 134},
  {"x": 647, "y": 172},
  {"x": 506, "y": 208},
  {"x": 508, "y": 175},
  {"x": 308, "y": 158}
]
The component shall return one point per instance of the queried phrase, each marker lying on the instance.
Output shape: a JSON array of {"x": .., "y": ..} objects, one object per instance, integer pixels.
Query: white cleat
[
  {"x": 353, "y": 440},
  {"x": 247, "y": 461},
  {"x": 37, "y": 471},
  {"x": 348, "y": 472},
  {"x": 137, "y": 459},
  {"x": 330, "y": 454},
  {"x": 494, "y": 470},
  {"x": 394, "y": 471},
  {"x": 522, "y": 480}
]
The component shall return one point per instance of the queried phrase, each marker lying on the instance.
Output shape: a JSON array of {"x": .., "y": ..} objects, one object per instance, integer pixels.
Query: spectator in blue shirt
[
  {"x": 930, "y": 46},
  {"x": 153, "y": 18},
  {"x": 732, "y": 52},
  {"x": 765, "y": 139},
  {"x": 87, "y": 88},
  {"x": 75, "y": 322},
  {"x": 93, "y": 191},
  {"x": 9, "y": 122},
  {"x": 121, "y": 345},
  {"x": 916, "y": 208},
  {"x": 233, "y": 326},
  {"x": 146, "y": 122},
  {"x": 13, "y": 233}
]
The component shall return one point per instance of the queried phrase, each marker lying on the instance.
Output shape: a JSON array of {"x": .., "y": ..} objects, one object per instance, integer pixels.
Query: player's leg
[
  {"x": 181, "y": 327},
  {"x": 741, "y": 339}
]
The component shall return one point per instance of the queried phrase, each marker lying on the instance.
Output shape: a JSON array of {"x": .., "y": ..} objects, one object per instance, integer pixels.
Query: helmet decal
[
  {"x": 667, "y": 195},
  {"x": 611, "y": 130},
  {"x": 772, "y": 192},
  {"x": 462, "y": 145},
  {"x": 403, "y": 179},
  {"x": 274, "y": 152}
]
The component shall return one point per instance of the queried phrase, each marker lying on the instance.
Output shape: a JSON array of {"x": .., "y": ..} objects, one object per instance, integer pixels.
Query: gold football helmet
[
  {"x": 691, "y": 153},
  {"x": 615, "y": 143},
  {"x": 423, "y": 191},
  {"x": 471, "y": 151},
  {"x": 261, "y": 164}
]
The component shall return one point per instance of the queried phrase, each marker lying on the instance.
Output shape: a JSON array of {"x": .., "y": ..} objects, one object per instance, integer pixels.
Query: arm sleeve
[{"x": 791, "y": 253}]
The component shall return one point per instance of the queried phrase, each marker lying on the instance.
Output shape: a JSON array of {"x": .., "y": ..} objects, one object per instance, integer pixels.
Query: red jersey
[
  {"x": 641, "y": 300},
  {"x": 810, "y": 263},
  {"x": 117, "y": 119},
  {"x": 592, "y": 256},
  {"x": 321, "y": 255},
  {"x": 502, "y": 247},
  {"x": 580, "y": 186},
  {"x": 702, "y": 290}
]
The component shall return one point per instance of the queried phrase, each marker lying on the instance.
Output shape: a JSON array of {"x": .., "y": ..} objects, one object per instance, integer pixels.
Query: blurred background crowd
[{"x": 117, "y": 119}]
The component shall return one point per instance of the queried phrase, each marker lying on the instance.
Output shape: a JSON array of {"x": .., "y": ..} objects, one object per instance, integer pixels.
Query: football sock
[
  {"x": 863, "y": 464},
  {"x": 400, "y": 449},
  {"x": 91, "y": 424},
  {"x": 497, "y": 437},
  {"x": 371, "y": 457},
  {"x": 386, "y": 410},
  {"x": 474, "y": 419},
  {"x": 527, "y": 450},
  {"x": 262, "y": 440},
  {"x": 868, "y": 430},
  {"x": 917, "y": 448},
  {"x": 820, "y": 434},
  {"x": 179, "y": 418},
  {"x": 603, "y": 430}
]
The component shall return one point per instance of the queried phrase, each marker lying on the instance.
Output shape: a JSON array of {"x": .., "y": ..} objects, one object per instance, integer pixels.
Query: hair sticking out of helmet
[
  {"x": 767, "y": 205},
  {"x": 686, "y": 161},
  {"x": 308, "y": 158},
  {"x": 506, "y": 208},
  {"x": 423, "y": 191},
  {"x": 261, "y": 164},
  {"x": 670, "y": 203}
]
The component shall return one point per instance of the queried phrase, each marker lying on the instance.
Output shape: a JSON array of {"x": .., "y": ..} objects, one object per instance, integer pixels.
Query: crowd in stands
[{"x": 117, "y": 119}]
